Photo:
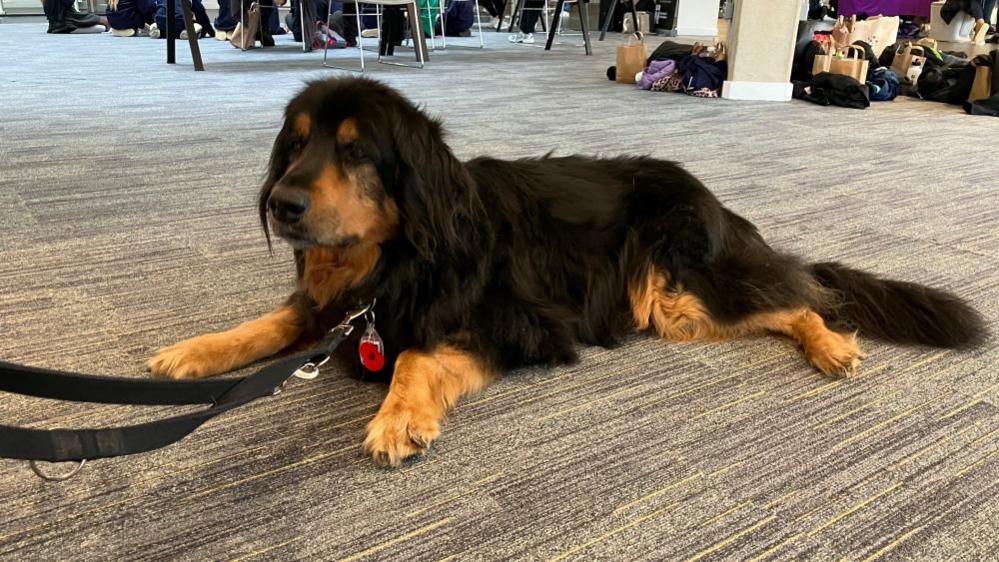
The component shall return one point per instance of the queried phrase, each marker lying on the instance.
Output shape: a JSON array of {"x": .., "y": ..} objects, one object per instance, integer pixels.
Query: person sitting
[
  {"x": 63, "y": 17},
  {"x": 981, "y": 10},
  {"x": 225, "y": 22},
  {"x": 129, "y": 18},
  {"x": 202, "y": 23}
]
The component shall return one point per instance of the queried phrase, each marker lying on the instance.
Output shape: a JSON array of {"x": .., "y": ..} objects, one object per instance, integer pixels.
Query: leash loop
[{"x": 56, "y": 477}]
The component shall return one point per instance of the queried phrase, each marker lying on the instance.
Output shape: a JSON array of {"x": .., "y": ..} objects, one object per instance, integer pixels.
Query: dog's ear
[
  {"x": 442, "y": 214},
  {"x": 278, "y": 165}
]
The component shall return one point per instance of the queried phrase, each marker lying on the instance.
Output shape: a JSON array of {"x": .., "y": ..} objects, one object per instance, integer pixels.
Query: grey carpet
[{"x": 127, "y": 203}]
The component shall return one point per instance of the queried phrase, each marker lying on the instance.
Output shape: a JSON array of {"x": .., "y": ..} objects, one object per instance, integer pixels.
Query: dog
[{"x": 488, "y": 265}]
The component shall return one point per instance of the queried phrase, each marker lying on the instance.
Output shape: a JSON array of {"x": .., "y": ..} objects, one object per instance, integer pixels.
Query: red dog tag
[{"x": 372, "y": 350}]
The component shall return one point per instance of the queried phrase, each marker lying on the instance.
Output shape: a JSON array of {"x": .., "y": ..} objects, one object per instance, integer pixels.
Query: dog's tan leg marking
[
  {"x": 213, "y": 354},
  {"x": 831, "y": 352},
  {"x": 679, "y": 316},
  {"x": 425, "y": 385}
]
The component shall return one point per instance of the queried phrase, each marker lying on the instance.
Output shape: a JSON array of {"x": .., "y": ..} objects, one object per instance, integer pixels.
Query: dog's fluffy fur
[{"x": 483, "y": 266}]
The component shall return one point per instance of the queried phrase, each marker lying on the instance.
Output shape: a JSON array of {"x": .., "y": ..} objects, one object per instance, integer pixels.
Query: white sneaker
[
  {"x": 122, "y": 32},
  {"x": 222, "y": 35},
  {"x": 154, "y": 31},
  {"x": 369, "y": 33},
  {"x": 520, "y": 37},
  {"x": 197, "y": 32}
]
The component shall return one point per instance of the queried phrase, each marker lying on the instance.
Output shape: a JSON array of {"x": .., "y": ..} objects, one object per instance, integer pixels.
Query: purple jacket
[{"x": 657, "y": 69}]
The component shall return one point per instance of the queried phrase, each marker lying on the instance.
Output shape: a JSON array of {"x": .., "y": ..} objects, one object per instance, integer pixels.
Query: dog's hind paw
[
  {"x": 399, "y": 432},
  {"x": 835, "y": 354}
]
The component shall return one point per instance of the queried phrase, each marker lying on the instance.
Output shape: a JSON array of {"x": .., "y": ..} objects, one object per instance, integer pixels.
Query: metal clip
[
  {"x": 307, "y": 371},
  {"x": 310, "y": 369},
  {"x": 348, "y": 322},
  {"x": 59, "y": 477}
]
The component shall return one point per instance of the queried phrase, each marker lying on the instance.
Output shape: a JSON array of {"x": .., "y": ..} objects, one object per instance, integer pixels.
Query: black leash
[{"x": 80, "y": 445}]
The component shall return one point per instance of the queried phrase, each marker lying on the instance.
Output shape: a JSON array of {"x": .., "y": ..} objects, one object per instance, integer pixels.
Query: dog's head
[{"x": 357, "y": 164}]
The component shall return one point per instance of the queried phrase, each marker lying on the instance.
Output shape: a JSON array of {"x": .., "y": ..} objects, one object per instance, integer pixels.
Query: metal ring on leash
[{"x": 57, "y": 478}]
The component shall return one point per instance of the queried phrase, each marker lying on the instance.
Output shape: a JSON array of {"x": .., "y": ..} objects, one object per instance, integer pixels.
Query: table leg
[{"x": 584, "y": 22}]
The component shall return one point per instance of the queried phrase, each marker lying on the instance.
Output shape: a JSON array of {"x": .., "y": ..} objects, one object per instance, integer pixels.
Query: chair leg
[
  {"x": 502, "y": 14},
  {"x": 559, "y": 6},
  {"x": 419, "y": 41},
  {"x": 171, "y": 8},
  {"x": 429, "y": 11},
  {"x": 308, "y": 31},
  {"x": 329, "y": 16},
  {"x": 584, "y": 22},
  {"x": 307, "y": 38},
  {"x": 360, "y": 38},
  {"x": 607, "y": 19},
  {"x": 442, "y": 17},
  {"x": 478, "y": 20},
  {"x": 192, "y": 37},
  {"x": 242, "y": 25},
  {"x": 515, "y": 15}
]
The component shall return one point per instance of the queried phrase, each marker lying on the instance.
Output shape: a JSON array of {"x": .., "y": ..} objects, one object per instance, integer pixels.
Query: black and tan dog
[{"x": 487, "y": 265}]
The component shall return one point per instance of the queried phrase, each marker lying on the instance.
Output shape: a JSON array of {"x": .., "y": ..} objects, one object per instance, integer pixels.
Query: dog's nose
[{"x": 288, "y": 205}]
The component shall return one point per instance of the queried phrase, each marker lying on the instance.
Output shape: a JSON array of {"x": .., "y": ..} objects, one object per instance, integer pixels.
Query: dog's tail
[{"x": 897, "y": 311}]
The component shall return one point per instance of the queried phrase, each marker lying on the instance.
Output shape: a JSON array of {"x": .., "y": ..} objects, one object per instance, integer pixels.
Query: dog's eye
[
  {"x": 355, "y": 152},
  {"x": 295, "y": 145}
]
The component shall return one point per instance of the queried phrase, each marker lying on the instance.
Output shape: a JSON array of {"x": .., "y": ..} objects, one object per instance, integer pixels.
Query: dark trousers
[
  {"x": 225, "y": 20},
  {"x": 530, "y": 16},
  {"x": 131, "y": 14},
  {"x": 55, "y": 10},
  {"x": 987, "y": 7},
  {"x": 314, "y": 10},
  {"x": 200, "y": 16},
  {"x": 982, "y": 9},
  {"x": 494, "y": 7}
]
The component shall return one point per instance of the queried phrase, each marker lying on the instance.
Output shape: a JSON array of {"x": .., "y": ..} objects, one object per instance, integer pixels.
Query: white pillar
[
  {"x": 697, "y": 18},
  {"x": 761, "y": 50}
]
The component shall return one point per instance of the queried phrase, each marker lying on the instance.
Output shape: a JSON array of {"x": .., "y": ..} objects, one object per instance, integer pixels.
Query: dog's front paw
[
  {"x": 400, "y": 431},
  {"x": 198, "y": 357}
]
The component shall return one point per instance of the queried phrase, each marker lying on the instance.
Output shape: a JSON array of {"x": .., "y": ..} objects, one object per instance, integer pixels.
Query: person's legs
[
  {"x": 125, "y": 17},
  {"x": 63, "y": 17},
  {"x": 988, "y": 8},
  {"x": 55, "y": 9},
  {"x": 528, "y": 20},
  {"x": 225, "y": 20},
  {"x": 977, "y": 8},
  {"x": 492, "y": 6}
]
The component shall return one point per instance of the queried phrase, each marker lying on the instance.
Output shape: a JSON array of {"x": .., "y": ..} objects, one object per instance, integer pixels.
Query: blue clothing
[
  {"x": 200, "y": 16},
  {"x": 131, "y": 14},
  {"x": 883, "y": 85}
]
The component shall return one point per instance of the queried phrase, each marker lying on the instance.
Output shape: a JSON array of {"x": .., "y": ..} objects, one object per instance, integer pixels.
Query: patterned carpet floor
[{"x": 127, "y": 209}]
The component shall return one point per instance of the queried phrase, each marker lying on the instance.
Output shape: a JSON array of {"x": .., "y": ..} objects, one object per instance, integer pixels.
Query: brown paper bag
[
  {"x": 850, "y": 61},
  {"x": 982, "y": 88},
  {"x": 841, "y": 31},
  {"x": 906, "y": 56},
  {"x": 879, "y": 32},
  {"x": 631, "y": 59}
]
